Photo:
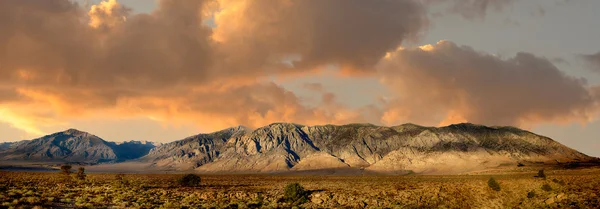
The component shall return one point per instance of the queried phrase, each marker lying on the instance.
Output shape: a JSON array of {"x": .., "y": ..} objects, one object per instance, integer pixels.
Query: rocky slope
[
  {"x": 5, "y": 145},
  {"x": 193, "y": 151},
  {"x": 282, "y": 147},
  {"x": 73, "y": 146}
]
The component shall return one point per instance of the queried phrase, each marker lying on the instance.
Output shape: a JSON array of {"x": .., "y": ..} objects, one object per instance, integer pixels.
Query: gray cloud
[
  {"x": 478, "y": 9},
  {"x": 352, "y": 33},
  {"x": 593, "y": 60},
  {"x": 456, "y": 83},
  {"x": 316, "y": 87},
  {"x": 472, "y": 9}
]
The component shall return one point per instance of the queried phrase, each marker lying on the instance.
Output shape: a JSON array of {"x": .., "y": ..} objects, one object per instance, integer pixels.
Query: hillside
[{"x": 73, "y": 146}]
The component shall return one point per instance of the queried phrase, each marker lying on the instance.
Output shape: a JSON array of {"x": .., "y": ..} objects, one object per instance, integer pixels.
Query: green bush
[
  {"x": 546, "y": 187},
  {"x": 493, "y": 184},
  {"x": 531, "y": 194},
  {"x": 294, "y": 193},
  {"x": 189, "y": 180}
]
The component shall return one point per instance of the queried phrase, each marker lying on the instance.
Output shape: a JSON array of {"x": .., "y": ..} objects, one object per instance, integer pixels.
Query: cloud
[
  {"x": 478, "y": 9},
  {"x": 353, "y": 34},
  {"x": 472, "y": 9},
  {"x": 447, "y": 83},
  {"x": 171, "y": 65},
  {"x": 316, "y": 87},
  {"x": 593, "y": 60},
  {"x": 213, "y": 62},
  {"x": 107, "y": 14}
]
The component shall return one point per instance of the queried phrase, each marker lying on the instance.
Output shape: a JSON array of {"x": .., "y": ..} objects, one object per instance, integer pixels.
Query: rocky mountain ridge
[
  {"x": 73, "y": 146},
  {"x": 282, "y": 147},
  {"x": 286, "y": 147}
]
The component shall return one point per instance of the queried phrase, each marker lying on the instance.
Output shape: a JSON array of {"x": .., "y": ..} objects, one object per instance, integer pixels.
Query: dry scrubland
[{"x": 568, "y": 188}]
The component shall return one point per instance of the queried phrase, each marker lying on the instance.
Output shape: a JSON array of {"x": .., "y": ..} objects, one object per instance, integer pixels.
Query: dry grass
[{"x": 572, "y": 188}]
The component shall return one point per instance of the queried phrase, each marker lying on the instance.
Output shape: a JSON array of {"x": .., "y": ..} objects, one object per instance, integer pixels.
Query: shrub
[
  {"x": 493, "y": 184},
  {"x": 120, "y": 180},
  {"x": 541, "y": 174},
  {"x": 81, "y": 173},
  {"x": 294, "y": 193},
  {"x": 531, "y": 194},
  {"x": 189, "y": 180},
  {"x": 66, "y": 169},
  {"x": 546, "y": 187},
  {"x": 559, "y": 182},
  {"x": 520, "y": 164}
]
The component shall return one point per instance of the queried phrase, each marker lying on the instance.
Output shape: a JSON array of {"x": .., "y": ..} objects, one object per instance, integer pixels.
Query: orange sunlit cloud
[{"x": 170, "y": 66}]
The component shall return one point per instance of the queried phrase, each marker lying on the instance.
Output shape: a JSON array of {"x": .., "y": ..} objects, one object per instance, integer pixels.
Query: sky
[{"x": 167, "y": 69}]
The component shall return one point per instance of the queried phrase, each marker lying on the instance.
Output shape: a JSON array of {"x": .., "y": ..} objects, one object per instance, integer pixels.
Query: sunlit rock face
[{"x": 283, "y": 147}]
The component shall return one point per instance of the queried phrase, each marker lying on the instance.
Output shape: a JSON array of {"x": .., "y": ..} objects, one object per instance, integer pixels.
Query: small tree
[
  {"x": 493, "y": 184},
  {"x": 81, "y": 173},
  {"x": 189, "y": 180},
  {"x": 294, "y": 193},
  {"x": 66, "y": 169},
  {"x": 541, "y": 174}
]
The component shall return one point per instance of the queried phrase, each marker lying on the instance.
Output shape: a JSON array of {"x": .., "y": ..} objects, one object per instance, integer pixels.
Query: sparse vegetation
[
  {"x": 519, "y": 190},
  {"x": 120, "y": 180},
  {"x": 541, "y": 174},
  {"x": 66, "y": 169},
  {"x": 559, "y": 182},
  {"x": 189, "y": 180},
  {"x": 81, "y": 173},
  {"x": 546, "y": 187},
  {"x": 294, "y": 193},
  {"x": 531, "y": 194},
  {"x": 493, "y": 184}
]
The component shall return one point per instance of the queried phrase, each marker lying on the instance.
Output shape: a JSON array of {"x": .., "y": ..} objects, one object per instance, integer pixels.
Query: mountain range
[
  {"x": 286, "y": 147},
  {"x": 73, "y": 146}
]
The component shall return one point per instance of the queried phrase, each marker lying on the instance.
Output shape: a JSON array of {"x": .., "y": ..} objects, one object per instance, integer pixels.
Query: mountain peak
[
  {"x": 73, "y": 131},
  {"x": 282, "y": 124}
]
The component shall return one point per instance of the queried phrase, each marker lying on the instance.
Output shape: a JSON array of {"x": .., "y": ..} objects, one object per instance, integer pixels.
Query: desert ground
[{"x": 575, "y": 188}]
